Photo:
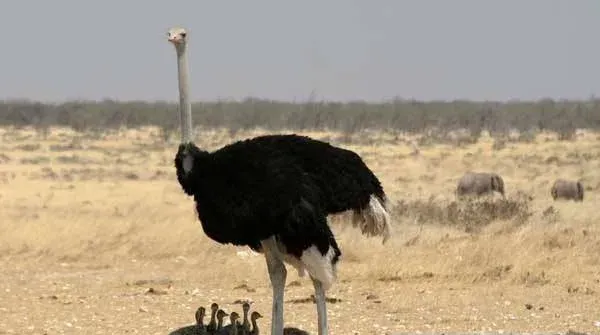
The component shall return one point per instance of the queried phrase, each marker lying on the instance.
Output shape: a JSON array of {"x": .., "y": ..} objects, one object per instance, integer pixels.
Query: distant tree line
[{"x": 408, "y": 116}]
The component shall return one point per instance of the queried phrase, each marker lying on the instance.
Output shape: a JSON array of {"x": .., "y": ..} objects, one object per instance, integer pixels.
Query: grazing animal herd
[
  {"x": 273, "y": 193},
  {"x": 485, "y": 183}
]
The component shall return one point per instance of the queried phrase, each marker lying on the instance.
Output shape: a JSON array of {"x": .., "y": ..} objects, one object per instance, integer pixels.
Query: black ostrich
[{"x": 274, "y": 193}]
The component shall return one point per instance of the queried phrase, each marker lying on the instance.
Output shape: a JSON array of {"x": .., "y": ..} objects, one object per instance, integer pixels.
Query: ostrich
[
  {"x": 273, "y": 193},
  {"x": 233, "y": 326},
  {"x": 212, "y": 324},
  {"x": 286, "y": 331},
  {"x": 197, "y": 329},
  {"x": 245, "y": 327},
  {"x": 200, "y": 313},
  {"x": 221, "y": 314}
]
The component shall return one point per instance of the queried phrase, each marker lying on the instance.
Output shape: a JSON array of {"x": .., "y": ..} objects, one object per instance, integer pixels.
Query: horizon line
[{"x": 399, "y": 99}]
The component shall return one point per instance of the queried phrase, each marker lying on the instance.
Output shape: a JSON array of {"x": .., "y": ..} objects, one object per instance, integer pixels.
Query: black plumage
[{"x": 282, "y": 185}]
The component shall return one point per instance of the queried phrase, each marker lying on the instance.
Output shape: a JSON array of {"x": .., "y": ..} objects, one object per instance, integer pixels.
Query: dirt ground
[
  {"x": 157, "y": 296},
  {"x": 97, "y": 238}
]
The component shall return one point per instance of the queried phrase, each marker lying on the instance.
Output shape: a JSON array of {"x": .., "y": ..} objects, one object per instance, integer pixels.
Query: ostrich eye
[{"x": 182, "y": 35}]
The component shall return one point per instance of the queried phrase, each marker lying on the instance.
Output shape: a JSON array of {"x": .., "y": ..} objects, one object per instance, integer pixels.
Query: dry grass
[{"x": 82, "y": 219}]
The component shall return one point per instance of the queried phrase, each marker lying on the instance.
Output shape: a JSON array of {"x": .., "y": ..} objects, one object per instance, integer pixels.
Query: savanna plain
[{"x": 96, "y": 237}]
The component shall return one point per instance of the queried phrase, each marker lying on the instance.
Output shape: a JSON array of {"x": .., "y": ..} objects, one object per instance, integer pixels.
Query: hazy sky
[{"x": 283, "y": 49}]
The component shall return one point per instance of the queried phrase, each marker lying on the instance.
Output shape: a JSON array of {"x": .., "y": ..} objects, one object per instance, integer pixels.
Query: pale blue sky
[{"x": 283, "y": 49}]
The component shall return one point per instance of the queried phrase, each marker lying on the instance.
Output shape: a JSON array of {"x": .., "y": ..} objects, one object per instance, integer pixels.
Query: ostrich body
[{"x": 273, "y": 194}]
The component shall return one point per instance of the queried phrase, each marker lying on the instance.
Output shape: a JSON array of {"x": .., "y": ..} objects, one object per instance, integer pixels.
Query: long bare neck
[
  {"x": 234, "y": 329},
  {"x": 254, "y": 330},
  {"x": 185, "y": 106},
  {"x": 213, "y": 321}
]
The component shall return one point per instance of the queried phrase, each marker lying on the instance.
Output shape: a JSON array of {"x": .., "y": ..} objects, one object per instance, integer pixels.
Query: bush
[
  {"x": 443, "y": 120},
  {"x": 470, "y": 215}
]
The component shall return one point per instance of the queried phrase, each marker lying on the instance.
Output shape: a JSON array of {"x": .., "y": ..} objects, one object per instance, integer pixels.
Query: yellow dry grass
[{"x": 89, "y": 222}]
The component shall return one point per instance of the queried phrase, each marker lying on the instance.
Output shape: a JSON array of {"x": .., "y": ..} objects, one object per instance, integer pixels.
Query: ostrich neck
[
  {"x": 185, "y": 106},
  {"x": 254, "y": 328},
  {"x": 213, "y": 321}
]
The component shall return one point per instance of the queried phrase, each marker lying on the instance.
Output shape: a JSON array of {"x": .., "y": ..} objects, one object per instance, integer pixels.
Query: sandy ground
[
  {"x": 65, "y": 298},
  {"x": 97, "y": 238}
]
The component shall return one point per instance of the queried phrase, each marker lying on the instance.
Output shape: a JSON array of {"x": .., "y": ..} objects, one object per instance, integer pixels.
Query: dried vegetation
[{"x": 95, "y": 235}]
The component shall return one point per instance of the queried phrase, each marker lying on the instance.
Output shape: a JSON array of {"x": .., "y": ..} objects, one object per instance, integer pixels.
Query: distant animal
[
  {"x": 567, "y": 189},
  {"x": 480, "y": 183},
  {"x": 273, "y": 193}
]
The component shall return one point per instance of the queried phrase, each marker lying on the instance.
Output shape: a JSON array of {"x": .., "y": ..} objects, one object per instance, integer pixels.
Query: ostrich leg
[
  {"x": 277, "y": 274},
  {"x": 321, "y": 307}
]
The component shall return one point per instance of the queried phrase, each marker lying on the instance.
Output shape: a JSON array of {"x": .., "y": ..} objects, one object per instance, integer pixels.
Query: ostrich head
[
  {"x": 200, "y": 314},
  {"x": 255, "y": 316},
  {"x": 177, "y": 36},
  {"x": 214, "y": 307},
  {"x": 233, "y": 317},
  {"x": 221, "y": 314}
]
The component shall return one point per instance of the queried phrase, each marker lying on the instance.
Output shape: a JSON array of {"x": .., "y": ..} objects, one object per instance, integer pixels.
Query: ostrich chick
[
  {"x": 197, "y": 329},
  {"x": 221, "y": 314},
  {"x": 200, "y": 313},
  {"x": 232, "y": 328},
  {"x": 212, "y": 324},
  {"x": 286, "y": 331},
  {"x": 245, "y": 327}
]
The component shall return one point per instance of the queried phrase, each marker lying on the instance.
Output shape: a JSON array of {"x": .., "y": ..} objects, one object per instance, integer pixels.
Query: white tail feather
[{"x": 373, "y": 220}]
